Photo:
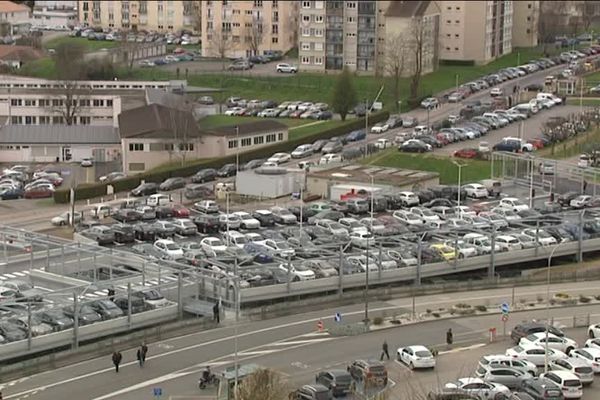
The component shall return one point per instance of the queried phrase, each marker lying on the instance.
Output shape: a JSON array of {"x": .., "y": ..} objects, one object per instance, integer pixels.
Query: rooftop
[
  {"x": 381, "y": 175},
  {"x": 407, "y": 9},
  {"x": 9, "y": 6},
  {"x": 59, "y": 134},
  {"x": 21, "y": 53}
]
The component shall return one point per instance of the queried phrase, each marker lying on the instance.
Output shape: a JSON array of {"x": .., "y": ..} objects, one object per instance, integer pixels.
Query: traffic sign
[
  {"x": 505, "y": 308},
  {"x": 157, "y": 391},
  {"x": 337, "y": 317},
  {"x": 504, "y": 318}
]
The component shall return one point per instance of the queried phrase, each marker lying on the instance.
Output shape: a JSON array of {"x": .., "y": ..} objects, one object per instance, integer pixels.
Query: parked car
[{"x": 145, "y": 189}]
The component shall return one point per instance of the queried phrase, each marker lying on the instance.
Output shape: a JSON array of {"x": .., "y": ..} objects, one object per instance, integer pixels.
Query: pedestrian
[
  {"x": 111, "y": 293},
  {"x": 584, "y": 186},
  {"x": 116, "y": 359},
  {"x": 144, "y": 350},
  {"x": 449, "y": 338},
  {"x": 139, "y": 357},
  {"x": 551, "y": 197},
  {"x": 216, "y": 313},
  {"x": 384, "y": 351}
]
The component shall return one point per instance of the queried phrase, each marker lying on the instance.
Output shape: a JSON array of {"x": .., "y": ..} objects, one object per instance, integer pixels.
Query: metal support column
[
  {"x": 129, "y": 304},
  {"x": 492, "y": 269},
  {"x": 180, "y": 294},
  {"x": 419, "y": 258},
  {"x": 289, "y": 274},
  {"x": 75, "y": 321},
  {"x": 580, "y": 240},
  {"x": 341, "y": 272}
]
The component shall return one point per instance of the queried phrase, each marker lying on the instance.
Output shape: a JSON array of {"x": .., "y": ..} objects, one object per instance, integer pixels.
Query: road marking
[
  {"x": 257, "y": 352},
  {"x": 19, "y": 273},
  {"x": 300, "y": 342},
  {"x": 10, "y": 276},
  {"x": 459, "y": 349}
]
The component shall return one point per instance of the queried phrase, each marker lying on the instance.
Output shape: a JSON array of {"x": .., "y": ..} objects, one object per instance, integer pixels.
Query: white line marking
[
  {"x": 257, "y": 352},
  {"x": 10, "y": 276},
  {"x": 459, "y": 349},
  {"x": 300, "y": 342},
  {"x": 19, "y": 273}
]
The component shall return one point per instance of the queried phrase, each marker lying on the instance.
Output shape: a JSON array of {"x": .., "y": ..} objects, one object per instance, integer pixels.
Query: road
[{"x": 289, "y": 344}]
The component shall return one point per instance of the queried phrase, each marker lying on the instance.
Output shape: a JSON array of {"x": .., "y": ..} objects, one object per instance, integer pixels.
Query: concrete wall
[{"x": 249, "y": 183}]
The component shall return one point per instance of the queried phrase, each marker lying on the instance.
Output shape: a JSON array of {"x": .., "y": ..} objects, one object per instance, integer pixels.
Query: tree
[
  {"x": 416, "y": 42},
  {"x": 344, "y": 95},
  {"x": 128, "y": 48},
  {"x": 255, "y": 34},
  {"x": 70, "y": 67},
  {"x": 69, "y": 61},
  {"x": 69, "y": 104},
  {"x": 263, "y": 384},
  {"x": 220, "y": 44},
  {"x": 394, "y": 61}
]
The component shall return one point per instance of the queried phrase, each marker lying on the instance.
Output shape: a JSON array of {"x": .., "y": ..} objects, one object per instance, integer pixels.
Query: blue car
[
  {"x": 11, "y": 194},
  {"x": 259, "y": 252},
  {"x": 355, "y": 136}
]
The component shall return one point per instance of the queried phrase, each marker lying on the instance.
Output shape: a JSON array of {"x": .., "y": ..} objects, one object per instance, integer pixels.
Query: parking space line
[
  {"x": 3, "y": 277},
  {"x": 10, "y": 276},
  {"x": 101, "y": 292},
  {"x": 19, "y": 273}
]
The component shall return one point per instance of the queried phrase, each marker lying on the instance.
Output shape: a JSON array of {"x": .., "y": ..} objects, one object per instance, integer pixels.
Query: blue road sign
[
  {"x": 157, "y": 392},
  {"x": 505, "y": 308},
  {"x": 337, "y": 317}
]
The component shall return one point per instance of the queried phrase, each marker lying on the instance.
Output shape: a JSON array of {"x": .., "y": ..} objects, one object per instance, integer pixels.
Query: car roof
[
  {"x": 564, "y": 374},
  {"x": 417, "y": 347}
]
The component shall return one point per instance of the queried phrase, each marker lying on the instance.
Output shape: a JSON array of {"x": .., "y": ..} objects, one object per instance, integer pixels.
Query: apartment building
[
  {"x": 475, "y": 31},
  {"x": 526, "y": 18},
  {"x": 14, "y": 18},
  {"x": 245, "y": 28},
  {"x": 567, "y": 17},
  {"x": 55, "y": 13},
  {"x": 159, "y": 15}
]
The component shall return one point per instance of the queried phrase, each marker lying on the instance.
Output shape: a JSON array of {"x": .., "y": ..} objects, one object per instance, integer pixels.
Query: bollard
[{"x": 492, "y": 332}]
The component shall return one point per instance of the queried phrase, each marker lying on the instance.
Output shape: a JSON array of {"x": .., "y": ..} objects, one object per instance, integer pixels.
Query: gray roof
[
  {"x": 59, "y": 134},
  {"x": 156, "y": 121},
  {"x": 247, "y": 128},
  {"x": 167, "y": 99},
  {"x": 407, "y": 9}
]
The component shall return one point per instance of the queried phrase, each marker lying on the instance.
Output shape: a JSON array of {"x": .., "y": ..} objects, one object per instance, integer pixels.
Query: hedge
[{"x": 89, "y": 191}]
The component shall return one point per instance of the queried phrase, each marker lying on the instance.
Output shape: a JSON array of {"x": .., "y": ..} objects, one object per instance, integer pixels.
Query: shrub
[
  {"x": 540, "y": 299},
  {"x": 428, "y": 311},
  {"x": 597, "y": 297},
  {"x": 462, "y": 309},
  {"x": 584, "y": 299},
  {"x": 377, "y": 321},
  {"x": 481, "y": 308},
  {"x": 436, "y": 315}
]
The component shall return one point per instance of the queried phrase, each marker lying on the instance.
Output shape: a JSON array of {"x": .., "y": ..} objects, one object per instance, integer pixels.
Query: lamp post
[
  {"x": 460, "y": 166},
  {"x": 548, "y": 305},
  {"x": 531, "y": 162},
  {"x": 367, "y": 260},
  {"x": 367, "y": 111}
]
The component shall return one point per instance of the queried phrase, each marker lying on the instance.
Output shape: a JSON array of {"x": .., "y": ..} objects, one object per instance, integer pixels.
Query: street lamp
[
  {"x": 548, "y": 304},
  {"x": 460, "y": 166},
  {"x": 367, "y": 260},
  {"x": 367, "y": 111}
]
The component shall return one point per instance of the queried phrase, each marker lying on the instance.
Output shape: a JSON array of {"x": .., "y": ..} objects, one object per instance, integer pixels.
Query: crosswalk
[
  {"x": 97, "y": 294},
  {"x": 14, "y": 275}
]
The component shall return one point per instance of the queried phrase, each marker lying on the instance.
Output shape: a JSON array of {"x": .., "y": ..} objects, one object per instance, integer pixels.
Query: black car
[
  {"x": 265, "y": 218},
  {"x": 204, "y": 175},
  {"x": 145, "y": 189},
  {"x": 12, "y": 332},
  {"x": 106, "y": 308},
  {"x": 323, "y": 115},
  {"x": 565, "y": 198},
  {"x": 56, "y": 319},
  {"x": 414, "y": 147},
  {"x": 197, "y": 191},
  {"x": 12, "y": 194},
  {"x": 207, "y": 223},
  {"x": 144, "y": 232},
  {"x": 164, "y": 230},
  {"x": 127, "y": 215},
  {"x": 172, "y": 184},
  {"x": 338, "y": 381},
  {"x": 227, "y": 170},
  {"x": 164, "y": 212},
  {"x": 138, "y": 304},
  {"x": 86, "y": 314},
  {"x": 527, "y": 328},
  {"x": 123, "y": 233},
  {"x": 306, "y": 212}
]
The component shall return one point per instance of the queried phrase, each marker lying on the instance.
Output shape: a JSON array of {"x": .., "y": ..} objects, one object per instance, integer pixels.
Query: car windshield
[
  {"x": 240, "y": 240},
  {"x": 172, "y": 246},
  {"x": 335, "y": 225},
  {"x": 214, "y": 242},
  {"x": 422, "y": 353},
  {"x": 283, "y": 245},
  {"x": 152, "y": 295},
  {"x": 107, "y": 304}
]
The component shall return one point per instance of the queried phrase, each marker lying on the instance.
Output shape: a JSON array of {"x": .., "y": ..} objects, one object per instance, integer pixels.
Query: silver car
[{"x": 509, "y": 377}]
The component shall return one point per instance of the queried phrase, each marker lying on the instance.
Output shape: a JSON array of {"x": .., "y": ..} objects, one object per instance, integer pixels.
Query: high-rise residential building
[
  {"x": 358, "y": 34},
  {"x": 476, "y": 31},
  {"x": 161, "y": 16},
  {"x": 55, "y": 13},
  {"x": 246, "y": 28},
  {"x": 526, "y": 18}
]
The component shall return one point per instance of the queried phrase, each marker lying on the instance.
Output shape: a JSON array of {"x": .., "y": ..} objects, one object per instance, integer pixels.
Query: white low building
[{"x": 54, "y": 14}]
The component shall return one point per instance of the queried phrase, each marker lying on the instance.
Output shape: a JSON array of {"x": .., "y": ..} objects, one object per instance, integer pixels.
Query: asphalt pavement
[{"x": 290, "y": 344}]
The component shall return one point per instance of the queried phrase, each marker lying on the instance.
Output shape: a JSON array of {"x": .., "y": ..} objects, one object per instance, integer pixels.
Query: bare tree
[
  {"x": 193, "y": 10},
  {"x": 416, "y": 41},
  {"x": 70, "y": 66},
  {"x": 69, "y": 101},
  {"x": 263, "y": 384},
  {"x": 255, "y": 34},
  {"x": 220, "y": 44},
  {"x": 394, "y": 62},
  {"x": 129, "y": 48}
]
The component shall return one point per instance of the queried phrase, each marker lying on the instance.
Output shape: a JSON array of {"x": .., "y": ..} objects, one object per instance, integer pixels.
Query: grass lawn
[
  {"x": 474, "y": 170},
  {"x": 42, "y": 68},
  {"x": 593, "y": 102},
  {"x": 90, "y": 45}
]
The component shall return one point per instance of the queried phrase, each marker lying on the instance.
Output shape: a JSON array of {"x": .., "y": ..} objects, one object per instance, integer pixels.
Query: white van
[
  {"x": 158, "y": 200},
  {"x": 508, "y": 243},
  {"x": 584, "y": 161},
  {"x": 549, "y": 96}
]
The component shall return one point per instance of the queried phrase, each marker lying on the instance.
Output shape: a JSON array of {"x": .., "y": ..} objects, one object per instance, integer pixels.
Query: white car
[
  {"x": 591, "y": 355},
  {"x": 543, "y": 237},
  {"x": 430, "y": 102},
  {"x": 156, "y": 200},
  {"x": 335, "y": 228},
  {"x": 594, "y": 332},
  {"x": 464, "y": 249},
  {"x": 563, "y": 344},
  {"x": 353, "y": 225},
  {"x": 298, "y": 272},
  {"x": 234, "y": 111},
  {"x": 416, "y": 357},
  {"x": 169, "y": 248},
  {"x": 213, "y": 244},
  {"x": 476, "y": 190},
  {"x": 496, "y": 92},
  {"x": 408, "y": 199},
  {"x": 87, "y": 162},
  {"x": 407, "y": 217},
  {"x": 362, "y": 261},
  {"x": 362, "y": 239},
  {"x": 508, "y": 243},
  {"x": 425, "y": 214},
  {"x": 502, "y": 360},
  {"x": 581, "y": 201},
  {"x": 286, "y": 68},
  {"x": 248, "y": 222},
  {"x": 279, "y": 158},
  {"x": 382, "y": 144},
  {"x": 477, "y": 386},
  {"x": 513, "y": 203},
  {"x": 568, "y": 382},
  {"x": 379, "y": 127},
  {"x": 506, "y": 213},
  {"x": 462, "y": 211},
  {"x": 534, "y": 353},
  {"x": 64, "y": 218},
  {"x": 330, "y": 159},
  {"x": 373, "y": 224},
  {"x": 280, "y": 248}
]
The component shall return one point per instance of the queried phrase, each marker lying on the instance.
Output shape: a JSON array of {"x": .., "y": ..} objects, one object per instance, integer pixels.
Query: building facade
[
  {"x": 55, "y": 13},
  {"x": 475, "y": 31},
  {"x": 526, "y": 19},
  {"x": 15, "y": 19},
  {"x": 567, "y": 17},
  {"x": 161, "y": 16},
  {"x": 245, "y": 28}
]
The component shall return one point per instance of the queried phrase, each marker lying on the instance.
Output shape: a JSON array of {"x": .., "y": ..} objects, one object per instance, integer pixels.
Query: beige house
[
  {"x": 526, "y": 18},
  {"x": 14, "y": 18},
  {"x": 477, "y": 31},
  {"x": 153, "y": 135},
  {"x": 161, "y": 16},
  {"x": 245, "y": 28},
  {"x": 55, "y": 13}
]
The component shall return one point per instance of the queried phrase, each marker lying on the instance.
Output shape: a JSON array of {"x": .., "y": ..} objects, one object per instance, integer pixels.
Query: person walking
[
  {"x": 216, "y": 313},
  {"x": 138, "y": 355},
  {"x": 144, "y": 352},
  {"x": 449, "y": 337},
  {"x": 116, "y": 359},
  {"x": 111, "y": 293},
  {"x": 584, "y": 186},
  {"x": 384, "y": 351}
]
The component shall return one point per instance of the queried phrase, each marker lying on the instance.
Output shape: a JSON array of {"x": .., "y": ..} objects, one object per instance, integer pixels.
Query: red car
[
  {"x": 466, "y": 153},
  {"x": 442, "y": 138},
  {"x": 537, "y": 143},
  {"x": 180, "y": 211},
  {"x": 39, "y": 192}
]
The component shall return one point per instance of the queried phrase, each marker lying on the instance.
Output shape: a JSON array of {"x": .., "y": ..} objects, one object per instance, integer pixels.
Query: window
[
  {"x": 319, "y": 60},
  {"x": 84, "y": 102},
  {"x": 319, "y": 19},
  {"x": 319, "y": 5},
  {"x": 275, "y": 29},
  {"x": 305, "y": 32},
  {"x": 280, "y": 137},
  {"x": 448, "y": 21},
  {"x": 305, "y": 60},
  {"x": 109, "y": 103},
  {"x": 456, "y": 35},
  {"x": 98, "y": 103},
  {"x": 528, "y": 30},
  {"x": 259, "y": 140},
  {"x": 318, "y": 46},
  {"x": 258, "y": 3},
  {"x": 85, "y": 120},
  {"x": 233, "y": 144},
  {"x": 306, "y": 18},
  {"x": 274, "y": 40},
  {"x": 137, "y": 166},
  {"x": 57, "y": 120},
  {"x": 271, "y": 138},
  {"x": 350, "y": 4},
  {"x": 447, "y": 35},
  {"x": 29, "y": 103},
  {"x": 246, "y": 142},
  {"x": 136, "y": 146},
  {"x": 457, "y": 21},
  {"x": 44, "y": 120},
  {"x": 528, "y": 5},
  {"x": 305, "y": 46},
  {"x": 306, "y": 4},
  {"x": 16, "y": 120},
  {"x": 16, "y": 102},
  {"x": 29, "y": 120},
  {"x": 319, "y": 32},
  {"x": 351, "y": 19},
  {"x": 44, "y": 102}
]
